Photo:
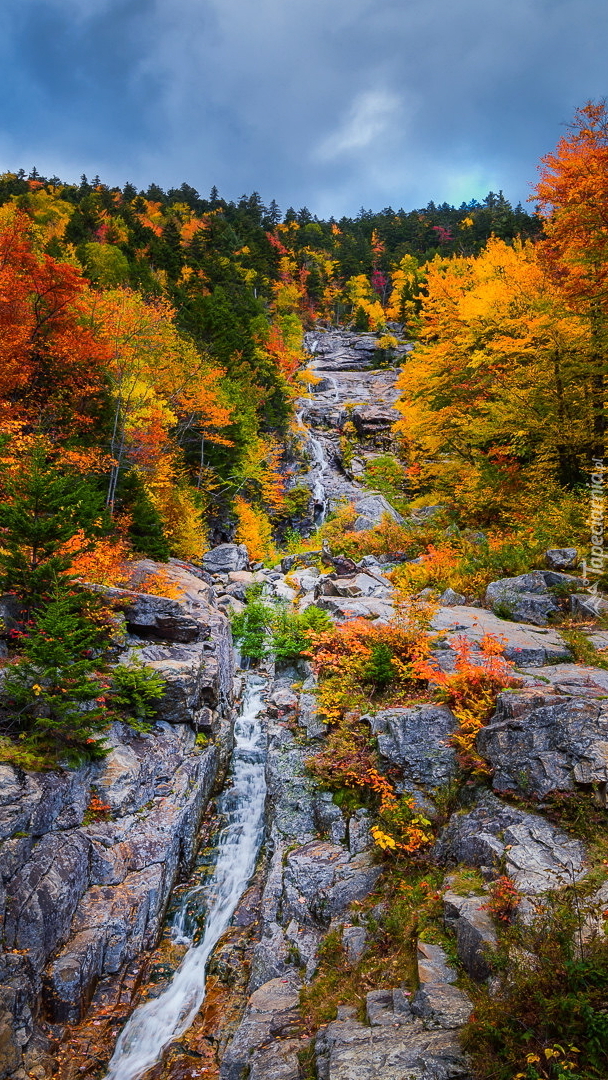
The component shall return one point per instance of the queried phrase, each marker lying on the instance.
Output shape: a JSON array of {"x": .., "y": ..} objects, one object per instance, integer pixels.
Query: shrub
[
  {"x": 354, "y": 661},
  {"x": 292, "y": 630},
  {"x": 251, "y": 628},
  {"x": 471, "y": 691},
  {"x": 264, "y": 628},
  {"x": 547, "y": 1019},
  {"x": 135, "y": 689}
]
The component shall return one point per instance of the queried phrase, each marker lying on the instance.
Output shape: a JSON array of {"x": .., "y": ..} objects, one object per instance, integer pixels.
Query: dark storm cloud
[{"x": 311, "y": 102}]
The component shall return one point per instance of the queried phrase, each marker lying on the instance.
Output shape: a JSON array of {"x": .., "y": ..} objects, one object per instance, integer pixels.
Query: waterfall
[
  {"x": 318, "y": 488},
  {"x": 320, "y": 467},
  {"x": 160, "y": 1020}
]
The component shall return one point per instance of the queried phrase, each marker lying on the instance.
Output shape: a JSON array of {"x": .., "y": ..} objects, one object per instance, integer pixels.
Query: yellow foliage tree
[
  {"x": 253, "y": 530},
  {"x": 497, "y": 390}
]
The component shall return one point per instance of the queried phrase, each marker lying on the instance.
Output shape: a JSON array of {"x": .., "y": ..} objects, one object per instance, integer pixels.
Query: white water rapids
[{"x": 158, "y": 1021}]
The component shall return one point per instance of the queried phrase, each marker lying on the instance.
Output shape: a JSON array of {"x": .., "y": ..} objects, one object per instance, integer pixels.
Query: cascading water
[
  {"x": 157, "y": 1022},
  {"x": 320, "y": 467},
  {"x": 318, "y": 487}
]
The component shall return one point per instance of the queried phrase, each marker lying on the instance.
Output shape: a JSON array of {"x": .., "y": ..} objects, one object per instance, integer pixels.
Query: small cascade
[
  {"x": 319, "y": 468},
  {"x": 318, "y": 488},
  {"x": 160, "y": 1020}
]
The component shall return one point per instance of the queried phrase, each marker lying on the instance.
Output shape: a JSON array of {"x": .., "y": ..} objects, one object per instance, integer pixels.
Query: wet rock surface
[{"x": 80, "y": 898}]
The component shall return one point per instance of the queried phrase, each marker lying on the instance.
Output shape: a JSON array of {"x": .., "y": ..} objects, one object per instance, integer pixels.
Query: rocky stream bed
[{"x": 84, "y": 903}]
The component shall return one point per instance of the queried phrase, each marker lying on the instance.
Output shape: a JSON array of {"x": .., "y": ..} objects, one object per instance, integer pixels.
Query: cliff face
[{"x": 79, "y": 897}]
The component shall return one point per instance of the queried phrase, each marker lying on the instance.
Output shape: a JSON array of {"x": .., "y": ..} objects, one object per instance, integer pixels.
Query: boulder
[
  {"x": 371, "y": 509},
  {"x": 320, "y": 880},
  {"x": 534, "y": 853},
  {"x": 361, "y": 585},
  {"x": 442, "y": 1006},
  {"x": 561, "y": 558},
  {"x": 354, "y": 942},
  {"x": 370, "y": 420},
  {"x": 360, "y": 607},
  {"x": 387, "y": 1008},
  {"x": 540, "y": 742},
  {"x": 226, "y": 558},
  {"x": 574, "y": 680},
  {"x": 416, "y": 739},
  {"x": 450, "y": 598},
  {"x": 271, "y": 1016},
  {"x": 433, "y": 965},
  {"x": 369, "y": 562},
  {"x": 157, "y": 617},
  {"x": 194, "y": 677},
  {"x": 588, "y": 606},
  {"x": 425, "y": 513},
  {"x": 525, "y": 599},
  {"x": 401, "y": 1048}
]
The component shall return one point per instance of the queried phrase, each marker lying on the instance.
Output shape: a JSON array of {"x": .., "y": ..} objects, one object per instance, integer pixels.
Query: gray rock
[
  {"x": 433, "y": 967},
  {"x": 417, "y": 740},
  {"x": 540, "y": 858},
  {"x": 320, "y": 880},
  {"x": 43, "y": 896},
  {"x": 354, "y": 942},
  {"x": 534, "y": 853},
  {"x": 369, "y": 420},
  {"x": 191, "y": 617},
  {"x": 525, "y": 598},
  {"x": 329, "y": 817},
  {"x": 360, "y": 585},
  {"x": 561, "y": 558},
  {"x": 442, "y": 1005},
  {"x": 291, "y": 789},
  {"x": 369, "y": 562},
  {"x": 449, "y": 598},
  {"x": 475, "y": 933},
  {"x": 541, "y": 743},
  {"x": 573, "y": 680},
  {"x": 225, "y": 558},
  {"x": 347, "y": 1050},
  {"x": 359, "y": 836},
  {"x": 271, "y": 1015},
  {"x": 426, "y": 512},
  {"x": 308, "y": 718},
  {"x": 362, "y": 607},
  {"x": 527, "y": 646},
  {"x": 387, "y": 1008},
  {"x": 371, "y": 509},
  {"x": 588, "y": 606}
]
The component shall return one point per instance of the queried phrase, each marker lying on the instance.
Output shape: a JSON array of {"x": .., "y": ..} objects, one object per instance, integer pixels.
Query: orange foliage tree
[
  {"x": 573, "y": 197},
  {"x": 51, "y": 365}
]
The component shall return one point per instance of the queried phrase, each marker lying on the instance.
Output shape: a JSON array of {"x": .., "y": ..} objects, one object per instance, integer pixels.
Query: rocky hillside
[{"x": 335, "y": 965}]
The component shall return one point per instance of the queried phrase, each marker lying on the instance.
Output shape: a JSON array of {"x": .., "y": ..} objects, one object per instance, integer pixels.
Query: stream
[{"x": 160, "y": 1020}]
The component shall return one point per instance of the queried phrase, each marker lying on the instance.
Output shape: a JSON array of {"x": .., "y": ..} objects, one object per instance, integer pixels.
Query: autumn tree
[
  {"x": 51, "y": 365},
  {"x": 573, "y": 196},
  {"x": 497, "y": 391}
]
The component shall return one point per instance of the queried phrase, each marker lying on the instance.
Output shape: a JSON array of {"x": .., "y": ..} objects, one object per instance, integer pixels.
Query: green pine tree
[
  {"x": 146, "y": 530},
  {"x": 43, "y": 509},
  {"x": 53, "y": 697}
]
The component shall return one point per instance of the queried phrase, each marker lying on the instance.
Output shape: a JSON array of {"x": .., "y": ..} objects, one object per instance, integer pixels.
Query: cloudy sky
[{"x": 333, "y": 104}]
